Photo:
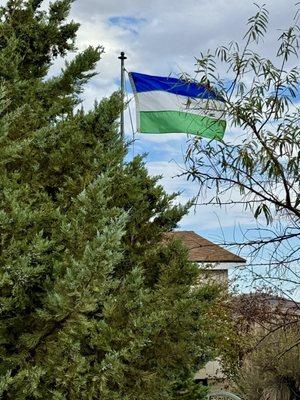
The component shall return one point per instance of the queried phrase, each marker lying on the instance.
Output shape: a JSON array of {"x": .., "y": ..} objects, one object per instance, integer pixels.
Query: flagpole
[{"x": 122, "y": 57}]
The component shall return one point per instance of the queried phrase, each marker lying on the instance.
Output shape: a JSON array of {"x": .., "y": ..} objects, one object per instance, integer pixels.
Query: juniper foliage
[{"x": 93, "y": 303}]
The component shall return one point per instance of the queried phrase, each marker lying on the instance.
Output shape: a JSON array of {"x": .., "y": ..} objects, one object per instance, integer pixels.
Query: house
[
  {"x": 218, "y": 262},
  {"x": 253, "y": 312},
  {"x": 206, "y": 253}
]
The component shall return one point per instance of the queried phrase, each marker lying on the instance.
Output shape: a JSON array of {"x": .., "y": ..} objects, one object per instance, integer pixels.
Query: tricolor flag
[{"x": 167, "y": 105}]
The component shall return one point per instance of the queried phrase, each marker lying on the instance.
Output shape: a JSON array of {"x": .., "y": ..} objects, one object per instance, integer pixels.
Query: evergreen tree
[{"x": 93, "y": 303}]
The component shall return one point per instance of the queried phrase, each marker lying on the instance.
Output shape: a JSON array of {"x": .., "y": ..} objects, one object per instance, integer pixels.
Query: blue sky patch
[{"x": 126, "y": 22}]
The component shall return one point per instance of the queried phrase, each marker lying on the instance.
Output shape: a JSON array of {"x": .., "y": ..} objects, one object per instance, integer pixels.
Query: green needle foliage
[{"x": 93, "y": 303}]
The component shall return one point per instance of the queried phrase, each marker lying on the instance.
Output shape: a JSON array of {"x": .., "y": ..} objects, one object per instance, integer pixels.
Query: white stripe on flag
[{"x": 157, "y": 100}]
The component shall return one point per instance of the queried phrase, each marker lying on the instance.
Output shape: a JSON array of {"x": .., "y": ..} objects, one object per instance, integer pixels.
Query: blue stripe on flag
[{"x": 147, "y": 83}]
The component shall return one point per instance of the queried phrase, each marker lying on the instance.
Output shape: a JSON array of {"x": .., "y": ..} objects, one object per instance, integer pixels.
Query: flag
[{"x": 170, "y": 105}]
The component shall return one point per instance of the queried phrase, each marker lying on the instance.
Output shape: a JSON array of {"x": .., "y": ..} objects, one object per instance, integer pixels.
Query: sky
[{"x": 164, "y": 37}]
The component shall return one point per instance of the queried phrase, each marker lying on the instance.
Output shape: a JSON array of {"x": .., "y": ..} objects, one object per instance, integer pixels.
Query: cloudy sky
[{"x": 163, "y": 37}]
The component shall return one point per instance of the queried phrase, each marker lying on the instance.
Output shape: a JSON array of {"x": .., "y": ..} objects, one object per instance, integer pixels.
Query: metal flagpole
[{"x": 122, "y": 57}]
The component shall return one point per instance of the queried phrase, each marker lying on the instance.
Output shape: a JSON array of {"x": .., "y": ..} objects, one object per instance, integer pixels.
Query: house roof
[{"x": 202, "y": 250}]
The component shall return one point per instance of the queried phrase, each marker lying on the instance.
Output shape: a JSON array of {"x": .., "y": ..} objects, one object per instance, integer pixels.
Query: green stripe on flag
[{"x": 176, "y": 121}]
